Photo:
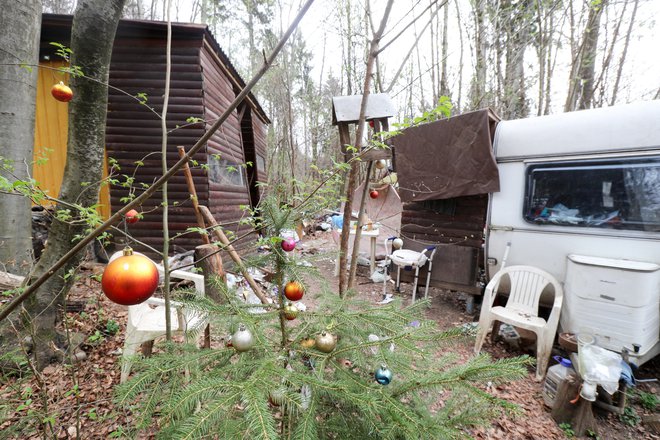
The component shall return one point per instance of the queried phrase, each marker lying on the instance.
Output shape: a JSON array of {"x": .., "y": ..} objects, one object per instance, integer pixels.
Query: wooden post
[
  {"x": 345, "y": 140},
  {"x": 580, "y": 415},
  {"x": 214, "y": 265},
  {"x": 210, "y": 262},
  {"x": 222, "y": 238},
  {"x": 193, "y": 196}
]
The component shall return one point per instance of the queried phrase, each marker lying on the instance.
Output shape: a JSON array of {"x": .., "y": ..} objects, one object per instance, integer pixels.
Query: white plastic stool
[{"x": 146, "y": 321}]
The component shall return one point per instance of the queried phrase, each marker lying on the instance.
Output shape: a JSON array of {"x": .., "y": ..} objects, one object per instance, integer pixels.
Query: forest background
[{"x": 522, "y": 58}]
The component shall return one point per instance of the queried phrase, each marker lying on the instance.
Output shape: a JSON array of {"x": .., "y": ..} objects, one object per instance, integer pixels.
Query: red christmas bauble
[
  {"x": 373, "y": 194},
  {"x": 293, "y": 291},
  {"x": 61, "y": 92},
  {"x": 130, "y": 279},
  {"x": 132, "y": 216}
]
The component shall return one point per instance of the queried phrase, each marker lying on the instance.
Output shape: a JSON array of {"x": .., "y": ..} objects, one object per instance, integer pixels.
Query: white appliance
[{"x": 618, "y": 301}]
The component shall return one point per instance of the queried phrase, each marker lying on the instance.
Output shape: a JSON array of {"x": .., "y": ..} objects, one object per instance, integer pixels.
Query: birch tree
[{"x": 19, "y": 45}]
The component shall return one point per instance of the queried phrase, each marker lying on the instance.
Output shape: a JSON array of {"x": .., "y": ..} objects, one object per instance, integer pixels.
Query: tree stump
[{"x": 579, "y": 415}]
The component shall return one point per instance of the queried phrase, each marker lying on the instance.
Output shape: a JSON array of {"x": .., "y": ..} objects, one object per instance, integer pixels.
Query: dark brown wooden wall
[
  {"x": 226, "y": 201},
  {"x": 134, "y": 132},
  {"x": 457, "y": 230}
]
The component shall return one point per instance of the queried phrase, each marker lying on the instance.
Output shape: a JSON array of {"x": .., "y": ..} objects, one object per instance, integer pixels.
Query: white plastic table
[{"x": 373, "y": 235}]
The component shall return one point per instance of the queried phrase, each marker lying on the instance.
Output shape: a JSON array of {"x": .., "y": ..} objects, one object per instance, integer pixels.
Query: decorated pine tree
[{"x": 343, "y": 368}]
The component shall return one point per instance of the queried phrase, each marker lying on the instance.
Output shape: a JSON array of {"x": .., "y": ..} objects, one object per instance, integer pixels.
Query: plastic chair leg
[
  {"x": 543, "y": 351},
  {"x": 482, "y": 331},
  {"x": 428, "y": 280},
  {"x": 129, "y": 350}
]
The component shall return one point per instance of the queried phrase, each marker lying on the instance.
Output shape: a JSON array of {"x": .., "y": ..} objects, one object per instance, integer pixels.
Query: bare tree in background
[
  {"x": 58, "y": 6},
  {"x": 582, "y": 76}
]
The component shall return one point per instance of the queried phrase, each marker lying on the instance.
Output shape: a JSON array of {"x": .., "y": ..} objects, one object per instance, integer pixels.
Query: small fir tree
[{"x": 285, "y": 387}]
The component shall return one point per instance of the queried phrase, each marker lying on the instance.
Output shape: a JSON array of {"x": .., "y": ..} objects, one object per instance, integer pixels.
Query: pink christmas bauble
[{"x": 288, "y": 244}]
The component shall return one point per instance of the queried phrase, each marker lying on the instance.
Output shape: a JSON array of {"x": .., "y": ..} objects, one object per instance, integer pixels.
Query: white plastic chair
[
  {"x": 408, "y": 258},
  {"x": 521, "y": 310},
  {"x": 146, "y": 321}
]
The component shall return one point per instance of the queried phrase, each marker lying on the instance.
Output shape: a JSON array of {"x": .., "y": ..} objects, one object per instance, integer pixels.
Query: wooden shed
[{"x": 203, "y": 84}]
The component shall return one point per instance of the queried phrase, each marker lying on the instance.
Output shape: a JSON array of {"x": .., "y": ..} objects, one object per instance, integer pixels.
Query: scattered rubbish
[
  {"x": 470, "y": 328},
  {"x": 510, "y": 334},
  {"x": 184, "y": 261},
  {"x": 388, "y": 299},
  {"x": 379, "y": 275},
  {"x": 600, "y": 366}
]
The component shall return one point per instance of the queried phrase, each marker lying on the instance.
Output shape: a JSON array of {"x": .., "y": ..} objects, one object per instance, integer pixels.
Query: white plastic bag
[{"x": 602, "y": 367}]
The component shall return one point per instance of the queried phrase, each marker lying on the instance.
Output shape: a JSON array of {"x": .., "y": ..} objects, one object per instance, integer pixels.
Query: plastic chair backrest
[{"x": 527, "y": 285}]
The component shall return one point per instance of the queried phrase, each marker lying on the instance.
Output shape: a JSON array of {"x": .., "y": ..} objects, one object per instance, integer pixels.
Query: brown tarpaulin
[{"x": 448, "y": 158}]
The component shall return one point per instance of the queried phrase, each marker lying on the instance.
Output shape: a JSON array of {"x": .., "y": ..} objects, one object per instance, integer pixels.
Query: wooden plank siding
[
  {"x": 227, "y": 202},
  {"x": 457, "y": 230},
  {"x": 134, "y": 132}
]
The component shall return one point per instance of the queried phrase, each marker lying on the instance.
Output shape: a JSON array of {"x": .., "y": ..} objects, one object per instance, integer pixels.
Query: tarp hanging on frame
[{"x": 447, "y": 158}]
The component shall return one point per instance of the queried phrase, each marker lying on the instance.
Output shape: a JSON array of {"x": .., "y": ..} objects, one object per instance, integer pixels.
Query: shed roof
[
  {"x": 56, "y": 27},
  {"x": 347, "y": 108}
]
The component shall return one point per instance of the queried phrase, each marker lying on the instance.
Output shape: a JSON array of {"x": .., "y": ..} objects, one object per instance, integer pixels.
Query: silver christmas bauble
[{"x": 242, "y": 339}]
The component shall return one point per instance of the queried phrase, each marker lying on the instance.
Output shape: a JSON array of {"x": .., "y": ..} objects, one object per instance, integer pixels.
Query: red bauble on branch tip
[
  {"x": 129, "y": 279},
  {"x": 61, "y": 92},
  {"x": 373, "y": 194},
  {"x": 132, "y": 216}
]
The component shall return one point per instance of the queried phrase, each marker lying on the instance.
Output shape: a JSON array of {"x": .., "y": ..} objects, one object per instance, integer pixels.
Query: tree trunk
[
  {"x": 92, "y": 36},
  {"x": 478, "y": 85},
  {"x": 518, "y": 38},
  {"x": 444, "y": 83},
  {"x": 581, "y": 85},
  {"x": 19, "y": 44},
  {"x": 615, "y": 88}
]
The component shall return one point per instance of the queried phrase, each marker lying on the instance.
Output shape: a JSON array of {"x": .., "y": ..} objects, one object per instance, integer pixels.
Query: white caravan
[{"x": 580, "y": 198}]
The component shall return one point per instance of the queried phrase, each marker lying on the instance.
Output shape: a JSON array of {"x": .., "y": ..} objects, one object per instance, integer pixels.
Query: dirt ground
[{"x": 83, "y": 393}]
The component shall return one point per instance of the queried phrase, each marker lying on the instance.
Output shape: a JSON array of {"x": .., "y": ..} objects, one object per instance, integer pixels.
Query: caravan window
[{"x": 622, "y": 194}]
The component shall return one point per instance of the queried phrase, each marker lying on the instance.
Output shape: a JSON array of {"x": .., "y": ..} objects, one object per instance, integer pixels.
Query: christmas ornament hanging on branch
[
  {"x": 242, "y": 340},
  {"x": 383, "y": 375},
  {"x": 288, "y": 244},
  {"x": 290, "y": 311},
  {"x": 132, "y": 216},
  {"x": 325, "y": 342},
  {"x": 293, "y": 291},
  {"x": 129, "y": 279},
  {"x": 61, "y": 92}
]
